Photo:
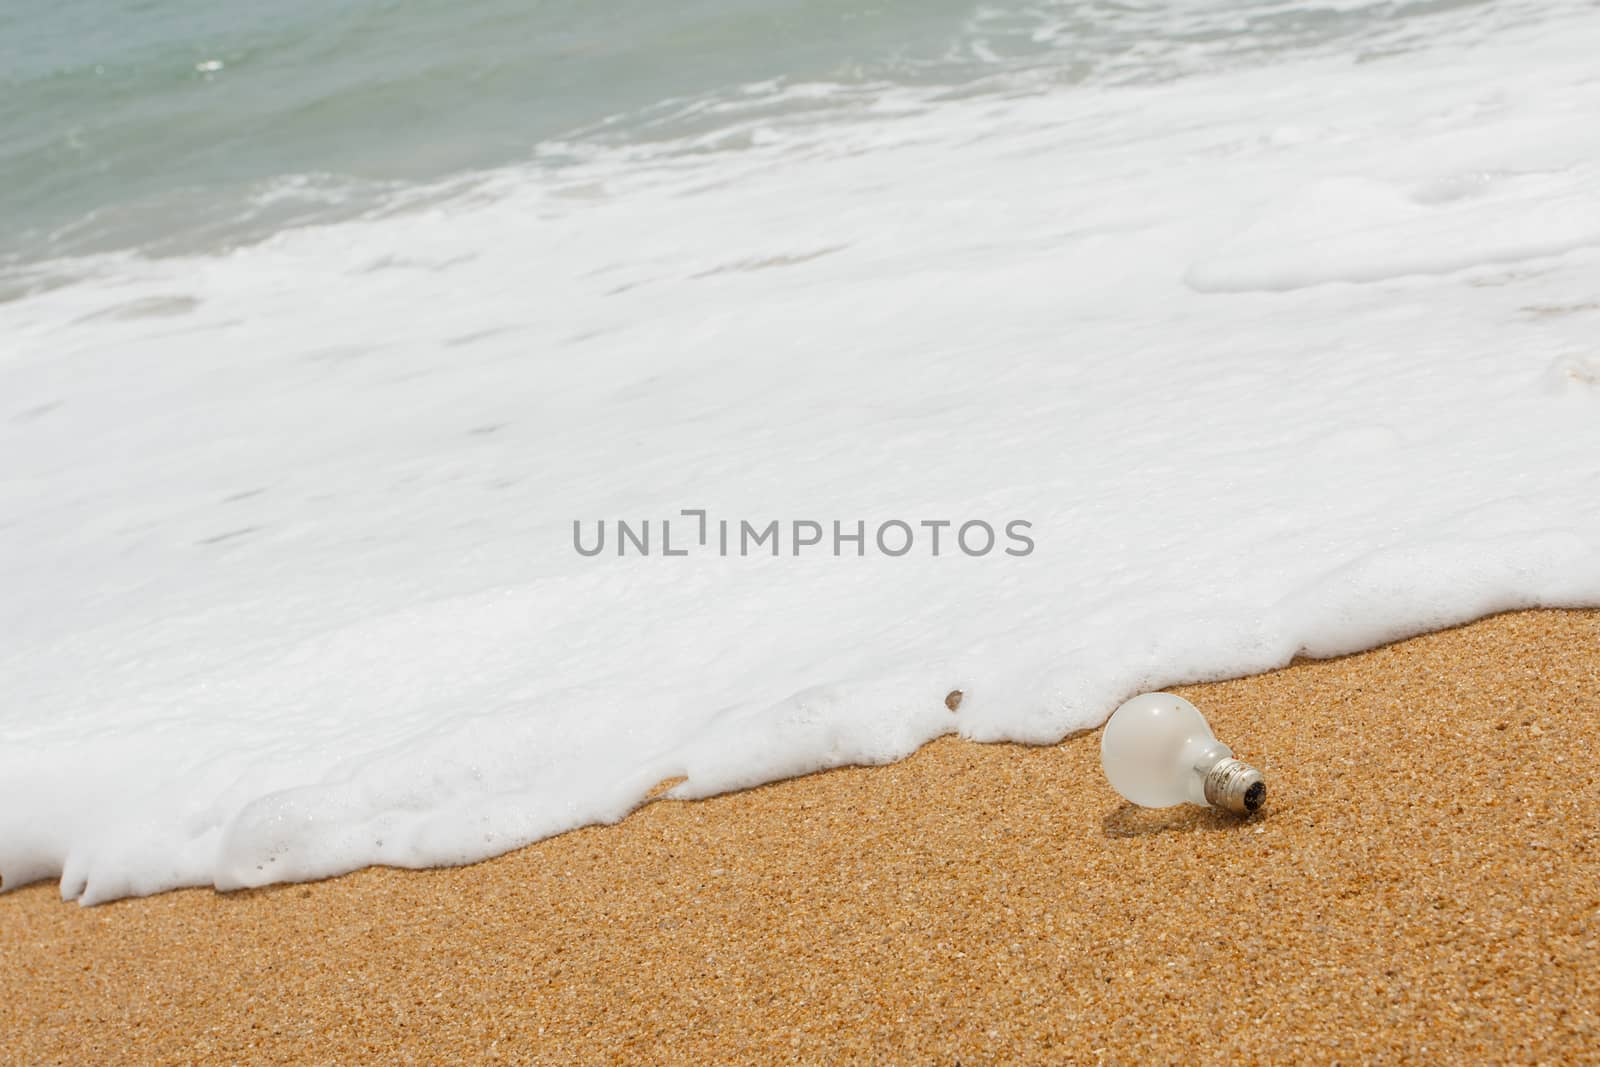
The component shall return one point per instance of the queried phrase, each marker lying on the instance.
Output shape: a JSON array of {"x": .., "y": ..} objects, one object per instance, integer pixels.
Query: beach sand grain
[{"x": 1423, "y": 886}]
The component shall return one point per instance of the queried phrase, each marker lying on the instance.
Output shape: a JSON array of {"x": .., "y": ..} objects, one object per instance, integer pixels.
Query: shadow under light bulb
[{"x": 1158, "y": 751}]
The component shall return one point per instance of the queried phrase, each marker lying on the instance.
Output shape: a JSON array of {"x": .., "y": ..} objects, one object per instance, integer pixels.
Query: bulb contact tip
[{"x": 1235, "y": 786}]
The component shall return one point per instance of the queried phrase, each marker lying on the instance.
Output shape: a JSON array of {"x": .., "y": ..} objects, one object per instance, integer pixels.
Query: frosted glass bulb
[{"x": 1158, "y": 750}]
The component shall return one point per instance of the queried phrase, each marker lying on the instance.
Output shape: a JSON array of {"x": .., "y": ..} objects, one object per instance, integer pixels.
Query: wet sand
[{"x": 1423, "y": 886}]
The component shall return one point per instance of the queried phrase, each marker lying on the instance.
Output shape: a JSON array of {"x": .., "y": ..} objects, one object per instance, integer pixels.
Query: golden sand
[{"x": 1424, "y": 886}]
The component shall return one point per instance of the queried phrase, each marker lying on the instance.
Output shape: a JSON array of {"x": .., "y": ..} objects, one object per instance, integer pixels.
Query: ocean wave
[{"x": 286, "y": 530}]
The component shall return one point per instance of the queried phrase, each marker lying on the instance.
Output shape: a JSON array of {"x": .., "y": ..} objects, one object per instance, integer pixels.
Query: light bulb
[{"x": 1158, "y": 750}]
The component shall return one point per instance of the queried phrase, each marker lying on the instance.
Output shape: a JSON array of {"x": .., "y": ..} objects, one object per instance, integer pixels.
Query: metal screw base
[{"x": 1233, "y": 785}]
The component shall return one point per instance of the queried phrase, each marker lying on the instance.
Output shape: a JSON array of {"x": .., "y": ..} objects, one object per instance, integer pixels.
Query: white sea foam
[{"x": 1301, "y": 358}]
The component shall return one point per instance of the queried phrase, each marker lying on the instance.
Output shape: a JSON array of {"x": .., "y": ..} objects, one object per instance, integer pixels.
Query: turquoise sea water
[
  {"x": 322, "y": 327},
  {"x": 180, "y": 125}
]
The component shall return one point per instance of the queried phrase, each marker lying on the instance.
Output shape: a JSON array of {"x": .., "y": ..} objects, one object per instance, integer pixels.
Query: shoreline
[{"x": 1419, "y": 887}]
